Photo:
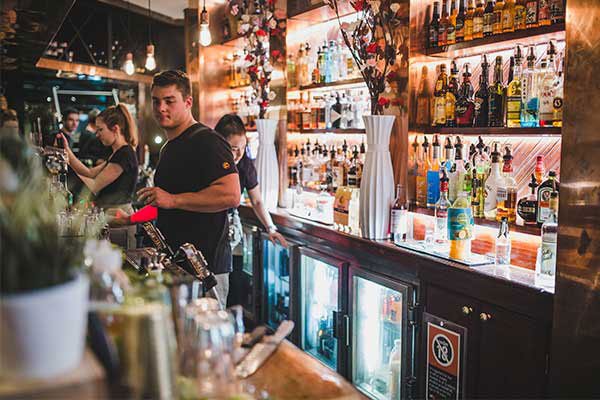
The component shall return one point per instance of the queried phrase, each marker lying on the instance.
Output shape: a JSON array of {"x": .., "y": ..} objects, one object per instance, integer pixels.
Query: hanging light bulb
[
  {"x": 128, "y": 66},
  {"x": 150, "y": 60},
  {"x": 205, "y": 38}
]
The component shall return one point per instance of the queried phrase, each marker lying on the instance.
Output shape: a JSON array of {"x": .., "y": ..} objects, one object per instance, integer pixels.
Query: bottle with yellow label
[
  {"x": 497, "y": 17},
  {"x": 460, "y": 227},
  {"x": 508, "y": 16},
  {"x": 424, "y": 166},
  {"x": 439, "y": 95},
  {"x": 451, "y": 96},
  {"x": 469, "y": 20}
]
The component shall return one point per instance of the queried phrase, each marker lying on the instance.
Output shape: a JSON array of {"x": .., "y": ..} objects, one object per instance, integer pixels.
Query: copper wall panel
[{"x": 575, "y": 356}]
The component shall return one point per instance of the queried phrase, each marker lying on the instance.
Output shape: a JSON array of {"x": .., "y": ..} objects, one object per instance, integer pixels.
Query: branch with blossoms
[
  {"x": 258, "y": 29},
  {"x": 372, "y": 43}
]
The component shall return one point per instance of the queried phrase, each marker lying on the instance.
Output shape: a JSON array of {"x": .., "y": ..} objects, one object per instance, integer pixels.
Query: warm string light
[
  {"x": 205, "y": 37},
  {"x": 150, "y": 60},
  {"x": 128, "y": 66}
]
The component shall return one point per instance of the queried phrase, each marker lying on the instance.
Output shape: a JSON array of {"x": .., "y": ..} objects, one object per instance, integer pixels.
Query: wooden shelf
[
  {"x": 500, "y": 42},
  {"x": 485, "y": 131},
  {"x": 529, "y": 230},
  {"x": 351, "y": 131},
  {"x": 355, "y": 81}
]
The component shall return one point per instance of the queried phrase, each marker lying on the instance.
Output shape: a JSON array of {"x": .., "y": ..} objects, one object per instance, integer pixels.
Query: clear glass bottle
[
  {"x": 493, "y": 181},
  {"x": 460, "y": 227},
  {"x": 399, "y": 216},
  {"x": 547, "y": 87},
  {"x": 440, "y": 234},
  {"x": 457, "y": 173},
  {"x": 503, "y": 249},
  {"x": 529, "y": 91},
  {"x": 545, "y": 271},
  {"x": 558, "y": 97},
  {"x": 506, "y": 197}
]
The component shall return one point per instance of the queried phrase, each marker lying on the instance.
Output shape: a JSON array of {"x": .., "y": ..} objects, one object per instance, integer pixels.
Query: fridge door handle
[
  {"x": 336, "y": 321},
  {"x": 347, "y": 329}
]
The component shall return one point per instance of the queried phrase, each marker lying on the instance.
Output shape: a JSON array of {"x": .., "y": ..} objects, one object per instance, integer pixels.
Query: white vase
[
  {"x": 42, "y": 333},
  {"x": 266, "y": 164},
  {"x": 377, "y": 185}
]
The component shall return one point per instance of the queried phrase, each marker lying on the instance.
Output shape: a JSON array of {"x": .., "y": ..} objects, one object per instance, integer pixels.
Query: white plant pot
[
  {"x": 377, "y": 185},
  {"x": 267, "y": 167},
  {"x": 42, "y": 333}
]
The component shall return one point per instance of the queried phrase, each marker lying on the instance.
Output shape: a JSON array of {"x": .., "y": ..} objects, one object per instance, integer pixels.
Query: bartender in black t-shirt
[{"x": 196, "y": 180}]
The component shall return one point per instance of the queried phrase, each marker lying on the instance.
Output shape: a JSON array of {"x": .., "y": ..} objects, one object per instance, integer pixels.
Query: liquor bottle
[
  {"x": 448, "y": 155},
  {"x": 488, "y": 18},
  {"x": 493, "y": 181},
  {"x": 520, "y": 15},
  {"x": 557, "y": 104},
  {"x": 544, "y": 13},
  {"x": 441, "y": 87},
  {"x": 531, "y": 9},
  {"x": 341, "y": 60},
  {"x": 469, "y": 20},
  {"x": 478, "y": 189},
  {"x": 529, "y": 90},
  {"x": 478, "y": 20},
  {"x": 557, "y": 11},
  {"x": 424, "y": 166},
  {"x": 460, "y": 22},
  {"x": 451, "y": 96},
  {"x": 482, "y": 96},
  {"x": 465, "y": 107},
  {"x": 440, "y": 234},
  {"x": 503, "y": 246},
  {"x": 433, "y": 175},
  {"x": 543, "y": 196},
  {"x": 527, "y": 206},
  {"x": 413, "y": 170},
  {"x": 291, "y": 71},
  {"x": 316, "y": 73},
  {"x": 547, "y": 80},
  {"x": 353, "y": 171},
  {"x": 322, "y": 61},
  {"x": 399, "y": 216},
  {"x": 545, "y": 270},
  {"x": 460, "y": 227},
  {"x": 336, "y": 112},
  {"x": 434, "y": 25},
  {"x": 514, "y": 100},
  {"x": 540, "y": 170},
  {"x": 423, "y": 117},
  {"x": 451, "y": 35},
  {"x": 508, "y": 16},
  {"x": 506, "y": 197},
  {"x": 292, "y": 162},
  {"x": 444, "y": 25},
  {"x": 497, "y": 21},
  {"x": 457, "y": 173},
  {"x": 496, "y": 97}
]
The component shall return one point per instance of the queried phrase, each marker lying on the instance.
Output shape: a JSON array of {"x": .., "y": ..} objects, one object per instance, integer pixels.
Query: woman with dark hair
[
  {"x": 231, "y": 127},
  {"x": 113, "y": 181}
]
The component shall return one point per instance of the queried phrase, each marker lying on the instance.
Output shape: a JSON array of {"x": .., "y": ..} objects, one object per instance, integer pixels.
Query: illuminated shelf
[
  {"x": 529, "y": 230},
  {"x": 485, "y": 131},
  {"x": 351, "y": 131},
  {"x": 349, "y": 82},
  {"x": 500, "y": 42}
]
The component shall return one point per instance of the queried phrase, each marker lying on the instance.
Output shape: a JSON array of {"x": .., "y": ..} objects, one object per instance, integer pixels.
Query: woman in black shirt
[{"x": 112, "y": 182}]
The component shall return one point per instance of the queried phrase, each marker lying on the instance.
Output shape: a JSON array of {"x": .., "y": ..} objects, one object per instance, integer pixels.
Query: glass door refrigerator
[
  {"x": 277, "y": 273},
  {"x": 322, "y": 308},
  {"x": 245, "y": 279},
  {"x": 382, "y": 330}
]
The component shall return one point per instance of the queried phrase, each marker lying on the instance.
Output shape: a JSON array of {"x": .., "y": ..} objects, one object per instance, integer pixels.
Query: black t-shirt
[
  {"x": 247, "y": 171},
  {"x": 120, "y": 191},
  {"x": 190, "y": 163}
]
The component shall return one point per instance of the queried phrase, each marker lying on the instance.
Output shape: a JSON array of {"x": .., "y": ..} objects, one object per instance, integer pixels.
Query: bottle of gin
[
  {"x": 441, "y": 213},
  {"x": 545, "y": 269},
  {"x": 527, "y": 206},
  {"x": 529, "y": 93},
  {"x": 514, "y": 103},
  {"x": 545, "y": 190}
]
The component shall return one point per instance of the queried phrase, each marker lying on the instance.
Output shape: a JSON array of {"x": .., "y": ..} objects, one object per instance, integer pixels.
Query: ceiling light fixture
[
  {"x": 205, "y": 38},
  {"x": 150, "y": 60}
]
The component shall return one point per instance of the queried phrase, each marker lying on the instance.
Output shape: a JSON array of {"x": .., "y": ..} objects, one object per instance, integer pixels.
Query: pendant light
[
  {"x": 128, "y": 66},
  {"x": 150, "y": 60},
  {"x": 205, "y": 38}
]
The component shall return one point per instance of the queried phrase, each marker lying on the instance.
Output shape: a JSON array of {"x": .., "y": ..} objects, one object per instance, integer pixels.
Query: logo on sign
[{"x": 442, "y": 350}]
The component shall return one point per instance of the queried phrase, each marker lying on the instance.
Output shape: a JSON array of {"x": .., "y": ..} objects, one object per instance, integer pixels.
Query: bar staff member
[{"x": 196, "y": 180}]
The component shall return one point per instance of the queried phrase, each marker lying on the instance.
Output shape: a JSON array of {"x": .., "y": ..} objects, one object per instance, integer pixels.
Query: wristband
[{"x": 272, "y": 229}]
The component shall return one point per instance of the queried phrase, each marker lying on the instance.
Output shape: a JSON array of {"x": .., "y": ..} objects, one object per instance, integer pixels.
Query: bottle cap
[
  {"x": 552, "y": 173},
  {"x": 540, "y": 158},
  {"x": 533, "y": 183}
]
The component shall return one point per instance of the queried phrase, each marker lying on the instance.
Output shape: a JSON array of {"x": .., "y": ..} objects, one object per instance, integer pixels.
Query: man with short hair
[
  {"x": 196, "y": 180},
  {"x": 70, "y": 124}
]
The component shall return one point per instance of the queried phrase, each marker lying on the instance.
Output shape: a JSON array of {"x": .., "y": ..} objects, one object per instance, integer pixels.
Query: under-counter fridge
[
  {"x": 277, "y": 274},
  {"x": 248, "y": 293},
  {"x": 382, "y": 335}
]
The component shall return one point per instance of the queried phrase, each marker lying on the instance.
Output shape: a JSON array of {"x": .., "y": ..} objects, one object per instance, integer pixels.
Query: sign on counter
[{"x": 445, "y": 373}]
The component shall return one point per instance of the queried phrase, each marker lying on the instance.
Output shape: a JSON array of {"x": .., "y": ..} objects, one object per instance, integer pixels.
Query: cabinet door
[
  {"x": 512, "y": 354},
  {"x": 276, "y": 274}
]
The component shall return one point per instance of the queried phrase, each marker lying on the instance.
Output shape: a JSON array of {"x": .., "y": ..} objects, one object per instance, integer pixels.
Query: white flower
[
  {"x": 273, "y": 24},
  {"x": 394, "y": 7},
  {"x": 267, "y": 68}
]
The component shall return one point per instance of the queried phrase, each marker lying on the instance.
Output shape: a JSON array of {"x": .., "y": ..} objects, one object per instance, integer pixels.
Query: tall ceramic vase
[
  {"x": 377, "y": 185},
  {"x": 267, "y": 167}
]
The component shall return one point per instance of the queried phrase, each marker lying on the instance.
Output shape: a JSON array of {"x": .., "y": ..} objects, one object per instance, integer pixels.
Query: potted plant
[
  {"x": 264, "y": 25},
  {"x": 374, "y": 45},
  {"x": 43, "y": 290}
]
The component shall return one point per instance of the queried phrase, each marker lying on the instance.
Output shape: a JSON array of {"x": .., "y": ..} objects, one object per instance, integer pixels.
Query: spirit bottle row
[
  {"x": 332, "y": 110},
  {"x": 326, "y": 168},
  {"x": 531, "y": 97},
  {"x": 247, "y": 109},
  {"x": 474, "y": 19},
  {"x": 486, "y": 173},
  {"x": 331, "y": 62}
]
